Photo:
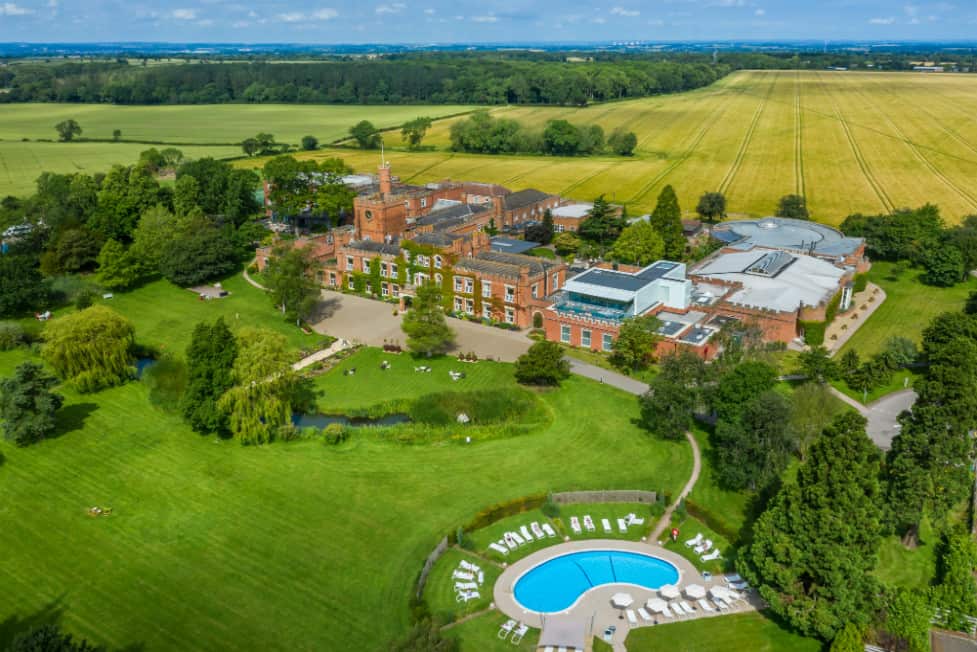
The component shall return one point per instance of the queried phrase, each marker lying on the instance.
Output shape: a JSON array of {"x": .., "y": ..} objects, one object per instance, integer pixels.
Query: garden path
[{"x": 666, "y": 518}]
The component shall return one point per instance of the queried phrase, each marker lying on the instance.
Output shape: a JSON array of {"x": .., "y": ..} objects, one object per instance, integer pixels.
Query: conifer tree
[{"x": 667, "y": 220}]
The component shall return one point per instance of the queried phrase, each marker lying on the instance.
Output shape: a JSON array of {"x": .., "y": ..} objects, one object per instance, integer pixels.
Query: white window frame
[
  {"x": 439, "y": 279},
  {"x": 393, "y": 270},
  {"x": 366, "y": 266},
  {"x": 585, "y": 337},
  {"x": 437, "y": 262},
  {"x": 510, "y": 315},
  {"x": 383, "y": 268},
  {"x": 459, "y": 304},
  {"x": 458, "y": 285},
  {"x": 384, "y": 290},
  {"x": 487, "y": 289},
  {"x": 566, "y": 333},
  {"x": 350, "y": 263},
  {"x": 510, "y": 294},
  {"x": 535, "y": 290},
  {"x": 469, "y": 286},
  {"x": 351, "y": 283},
  {"x": 470, "y": 306},
  {"x": 396, "y": 290},
  {"x": 423, "y": 202},
  {"x": 607, "y": 342},
  {"x": 487, "y": 312}
]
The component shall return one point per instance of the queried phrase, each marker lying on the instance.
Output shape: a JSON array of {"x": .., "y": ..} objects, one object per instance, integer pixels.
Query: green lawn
[
  {"x": 728, "y": 508},
  {"x": 740, "y": 633},
  {"x": 900, "y": 566},
  {"x": 907, "y": 310},
  {"x": 481, "y": 634},
  {"x": 439, "y": 592},
  {"x": 688, "y": 528},
  {"x": 289, "y": 546},
  {"x": 902, "y": 379}
]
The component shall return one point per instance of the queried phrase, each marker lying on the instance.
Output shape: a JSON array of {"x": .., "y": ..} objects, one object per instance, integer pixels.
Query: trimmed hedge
[
  {"x": 497, "y": 512},
  {"x": 814, "y": 332},
  {"x": 860, "y": 282}
]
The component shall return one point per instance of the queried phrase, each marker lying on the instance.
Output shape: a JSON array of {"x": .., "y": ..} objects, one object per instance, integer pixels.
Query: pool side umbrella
[
  {"x": 657, "y": 605},
  {"x": 669, "y": 592},
  {"x": 622, "y": 601},
  {"x": 719, "y": 592},
  {"x": 695, "y": 591}
]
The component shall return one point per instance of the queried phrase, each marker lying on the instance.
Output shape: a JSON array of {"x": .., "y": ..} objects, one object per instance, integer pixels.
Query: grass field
[
  {"x": 850, "y": 142},
  {"x": 740, "y": 633},
  {"x": 290, "y": 546}
]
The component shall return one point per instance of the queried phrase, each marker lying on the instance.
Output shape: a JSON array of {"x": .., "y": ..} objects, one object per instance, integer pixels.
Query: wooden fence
[
  {"x": 429, "y": 564},
  {"x": 626, "y": 496}
]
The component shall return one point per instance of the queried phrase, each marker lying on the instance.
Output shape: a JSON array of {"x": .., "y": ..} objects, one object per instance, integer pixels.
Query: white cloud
[
  {"x": 325, "y": 14},
  {"x": 621, "y": 11},
  {"x": 14, "y": 9},
  {"x": 760, "y": 12},
  {"x": 882, "y": 21},
  {"x": 291, "y": 17},
  {"x": 394, "y": 8},
  {"x": 206, "y": 22},
  {"x": 600, "y": 20},
  {"x": 485, "y": 19},
  {"x": 430, "y": 12},
  {"x": 184, "y": 14}
]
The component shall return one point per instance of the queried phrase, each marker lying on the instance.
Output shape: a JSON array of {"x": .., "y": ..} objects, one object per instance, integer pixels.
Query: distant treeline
[
  {"x": 422, "y": 80},
  {"x": 483, "y": 134}
]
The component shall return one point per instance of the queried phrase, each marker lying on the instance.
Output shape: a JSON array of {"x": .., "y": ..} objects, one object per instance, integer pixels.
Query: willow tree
[
  {"x": 265, "y": 387},
  {"x": 91, "y": 349}
]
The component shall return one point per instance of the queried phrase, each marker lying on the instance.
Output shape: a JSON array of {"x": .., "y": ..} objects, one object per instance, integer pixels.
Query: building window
[
  {"x": 535, "y": 290},
  {"x": 438, "y": 279},
  {"x": 407, "y": 205},
  {"x": 396, "y": 290},
  {"x": 556, "y": 281},
  {"x": 458, "y": 304},
  {"x": 458, "y": 284},
  {"x": 585, "y": 338},
  {"x": 565, "y": 333},
  {"x": 393, "y": 270},
  {"x": 607, "y": 341},
  {"x": 470, "y": 306},
  {"x": 437, "y": 262},
  {"x": 419, "y": 278},
  {"x": 558, "y": 228},
  {"x": 383, "y": 269},
  {"x": 487, "y": 312},
  {"x": 424, "y": 202},
  {"x": 366, "y": 266},
  {"x": 369, "y": 215},
  {"x": 332, "y": 278},
  {"x": 384, "y": 289},
  {"x": 469, "y": 286},
  {"x": 351, "y": 284},
  {"x": 350, "y": 264},
  {"x": 510, "y": 316},
  {"x": 487, "y": 289},
  {"x": 510, "y": 293}
]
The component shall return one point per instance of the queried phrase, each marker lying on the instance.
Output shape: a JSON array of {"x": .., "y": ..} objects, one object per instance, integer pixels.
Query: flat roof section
[
  {"x": 513, "y": 246},
  {"x": 609, "y": 278},
  {"x": 786, "y": 233},
  {"x": 572, "y": 211},
  {"x": 697, "y": 336},
  {"x": 671, "y": 328}
]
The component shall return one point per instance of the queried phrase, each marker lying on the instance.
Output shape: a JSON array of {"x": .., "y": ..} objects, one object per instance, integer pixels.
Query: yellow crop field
[{"x": 850, "y": 142}]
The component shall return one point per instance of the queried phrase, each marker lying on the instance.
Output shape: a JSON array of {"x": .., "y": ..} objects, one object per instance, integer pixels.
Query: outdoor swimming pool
[{"x": 558, "y": 583}]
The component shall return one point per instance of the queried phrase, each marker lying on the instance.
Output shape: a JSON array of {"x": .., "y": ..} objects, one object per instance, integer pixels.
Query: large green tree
[
  {"x": 814, "y": 549},
  {"x": 622, "y": 142},
  {"x": 211, "y": 356},
  {"x": 91, "y": 349},
  {"x": 817, "y": 365},
  {"x": 365, "y": 134},
  {"x": 49, "y": 638},
  {"x": 291, "y": 281},
  {"x": 543, "y": 364},
  {"x": 634, "y": 348},
  {"x": 638, "y": 244},
  {"x": 67, "y": 130},
  {"x": 413, "y": 131},
  {"x": 907, "y": 617},
  {"x": 739, "y": 385},
  {"x": 667, "y": 220},
  {"x": 27, "y": 404},
  {"x": 297, "y": 186},
  {"x": 755, "y": 448},
  {"x": 22, "y": 288},
  {"x": 196, "y": 255},
  {"x": 222, "y": 190},
  {"x": 793, "y": 206},
  {"x": 602, "y": 225},
  {"x": 117, "y": 267},
  {"x": 424, "y": 324},
  {"x": 126, "y": 193},
  {"x": 956, "y": 592},
  {"x": 712, "y": 206}
]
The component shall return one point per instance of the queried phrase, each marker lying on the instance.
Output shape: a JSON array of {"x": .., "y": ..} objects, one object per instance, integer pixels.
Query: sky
[{"x": 478, "y": 21}]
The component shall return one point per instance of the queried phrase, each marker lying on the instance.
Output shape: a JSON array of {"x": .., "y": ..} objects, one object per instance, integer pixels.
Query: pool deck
[{"x": 594, "y": 608}]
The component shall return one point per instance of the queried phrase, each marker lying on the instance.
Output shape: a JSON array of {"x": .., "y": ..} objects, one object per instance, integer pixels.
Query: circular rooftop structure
[{"x": 786, "y": 233}]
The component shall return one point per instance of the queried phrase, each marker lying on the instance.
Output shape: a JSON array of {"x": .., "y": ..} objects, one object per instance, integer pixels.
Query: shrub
[
  {"x": 860, "y": 282},
  {"x": 537, "y": 320},
  {"x": 550, "y": 509},
  {"x": 85, "y": 298},
  {"x": 11, "y": 335},
  {"x": 335, "y": 433},
  {"x": 482, "y": 407},
  {"x": 166, "y": 380}
]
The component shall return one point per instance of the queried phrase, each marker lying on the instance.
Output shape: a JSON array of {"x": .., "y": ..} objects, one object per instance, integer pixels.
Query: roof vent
[{"x": 768, "y": 224}]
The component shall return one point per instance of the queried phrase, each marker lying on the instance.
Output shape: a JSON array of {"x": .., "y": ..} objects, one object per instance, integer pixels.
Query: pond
[
  {"x": 320, "y": 421},
  {"x": 142, "y": 364}
]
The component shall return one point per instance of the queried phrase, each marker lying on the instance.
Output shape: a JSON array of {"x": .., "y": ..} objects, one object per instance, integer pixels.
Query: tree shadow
[
  {"x": 2, "y": 459},
  {"x": 14, "y": 625},
  {"x": 72, "y": 418},
  {"x": 324, "y": 310}
]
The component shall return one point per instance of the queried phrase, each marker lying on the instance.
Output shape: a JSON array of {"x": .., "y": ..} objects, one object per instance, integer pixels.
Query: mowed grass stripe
[
  {"x": 798, "y": 138},
  {"x": 734, "y": 167}
]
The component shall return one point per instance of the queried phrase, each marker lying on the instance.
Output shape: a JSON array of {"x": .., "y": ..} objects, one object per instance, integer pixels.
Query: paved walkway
[
  {"x": 882, "y": 415},
  {"x": 666, "y": 518},
  {"x": 859, "y": 300},
  {"x": 612, "y": 378},
  {"x": 251, "y": 281},
  {"x": 334, "y": 348}
]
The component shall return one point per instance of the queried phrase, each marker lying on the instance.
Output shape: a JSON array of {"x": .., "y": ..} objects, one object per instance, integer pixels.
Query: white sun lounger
[
  {"x": 465, "y": 586},
  {"x": 550, "y": 532},
  {"x": 694, "y": 541},
  {"x": 703, "y": 547},
  {"x": 518, "y": 634},
  {"x": 589, "y": 523},
  {"x": 722, "y": 604},
  {"x": 711, "y": 556},
  {"x": 575, "y": 525},
  {"x": 634, "y": 520},
  {"x": 468, "y": 566},
  {"x": 733, "y": 596},
  {"x": 622, "y": 525},
  {"x": 739, "y": 586},
  {"x": 507, "y": 628},
  {"x": 462, "y": 575},
  {"x": 524, "y": 531},
  {"x": 499, "y": 548},
  {"x": 510, "y": 541},
  {"x": 632, "y": 619},
  {"x": 537, "y": 530},
  {"x": 518, "y": 539},
  {"x": 729, "y": 579},
  {"x": 606, "y": 524},
  {"x": 667, "y": 612},
  {"x": 645, "y": 616},
  {"x": 689, "y": 609},
  {"x": 481, "y": 578},
  {"x": 465, "y": 596},
  {"x": 561, "y": 649},
  {"x": 704, "y": 604}
]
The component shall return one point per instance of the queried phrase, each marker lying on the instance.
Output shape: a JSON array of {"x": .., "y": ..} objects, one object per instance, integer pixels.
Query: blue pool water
[{"x": 556, "y": 584}]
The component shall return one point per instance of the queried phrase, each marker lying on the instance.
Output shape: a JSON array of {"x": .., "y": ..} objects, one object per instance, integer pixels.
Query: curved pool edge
[{"x": 503, "y": 593}]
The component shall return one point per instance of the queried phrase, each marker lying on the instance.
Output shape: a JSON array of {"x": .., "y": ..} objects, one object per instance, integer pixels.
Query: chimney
[{"x": 385, "y": 185}]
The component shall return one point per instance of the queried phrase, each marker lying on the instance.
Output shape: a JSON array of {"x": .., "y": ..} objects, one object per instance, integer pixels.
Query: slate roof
[
  {"x": 375, "y": 247},
  {"x": 453, "y": 213},
  {"x": 508, "y": 265},
  {"x": 524, "y": 198}
]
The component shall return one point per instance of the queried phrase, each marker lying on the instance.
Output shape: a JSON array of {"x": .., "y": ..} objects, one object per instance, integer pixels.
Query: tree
[
  {"x": 634, "y": 348},
  {"x": 812, "y": 407},
  {"x": 542, "y": 364},
  {"x": 542, "y": 232},
  {"x": 220, "y": 190},
  {"x": 850, "y": 361},
  {"x": 666, "y": 408},
  {"x": 944, "y": 267},
  {"x": 739, "y": 385},
  {"x": 194, "y": 257},
  {"x": 22, "y": 288},
  {"x": 300, "y": 186},
  {"x": 210, "y": 362},
  {"x": 849, "y": 639},
  {"x": 310, "y": 143},
  {"x": 75, "y": 250},
  {"x": 250, "y": 146},
  {"x": 126, "y": 193},
  {"x": 117, "y": 268},
  {"x": 907, "y": 617},
  {"x": 290, "y": 280},
  {"x": 67, "y": 130},
  {"x": 117, "y": 135},
  {"x": 793, "y": 206},
  {"x": 567, "y": 243},
  {"x": 27, "y": 404},
  {"x": 265, "y": 390},
  {"x": 561, "y": 138},
  {"x": 638, "y": 244},
  {"x": 413, "y": 131},
  {"x": 622, "y": 142},
  {"x": 956, "y": 592},
  {"x": 365, "y": 134},
  {"x": 815, "y": 548},
  {"x": 712, "y": 206},
  {"x": 602, "y": 224},
  {"x": 49, "y": 638},
  {"x": 754, "y": 449},
  {"x": 156, "y": 228},
  {"x": 667, "y": 220},
  {"x": 817, "y": 365},
  {"x": 91, "y": 349},
  {"x": 424, "y": 324},
  {"x": 970, "y": 307},
  {"x": 902, "y": 351}
]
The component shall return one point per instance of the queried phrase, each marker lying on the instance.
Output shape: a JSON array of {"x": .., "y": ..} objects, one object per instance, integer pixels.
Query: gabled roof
[
  {"x": 451, "y": 213},
  {"x": 524, "y": 198},
  {"x": 375, "y": 247},
  {"x": 508, "y": 265}
]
